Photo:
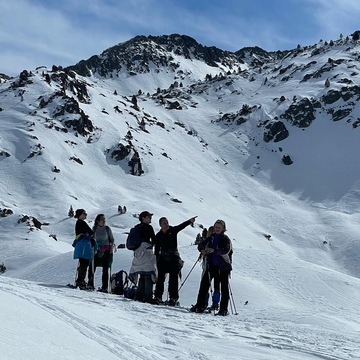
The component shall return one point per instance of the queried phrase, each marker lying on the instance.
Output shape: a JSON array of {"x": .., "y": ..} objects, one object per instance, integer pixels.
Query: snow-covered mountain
[{"x": 267, "y": 141}]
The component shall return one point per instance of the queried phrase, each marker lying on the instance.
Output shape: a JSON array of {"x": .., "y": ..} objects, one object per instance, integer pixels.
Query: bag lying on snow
[
  {"x": 120, "y": 285},
  {"x": 119, "y": 281}
]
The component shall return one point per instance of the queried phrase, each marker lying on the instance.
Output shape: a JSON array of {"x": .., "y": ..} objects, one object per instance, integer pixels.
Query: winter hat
[
  {"x": 144, "y": 214},
  {"x": 78, "y": 212}
]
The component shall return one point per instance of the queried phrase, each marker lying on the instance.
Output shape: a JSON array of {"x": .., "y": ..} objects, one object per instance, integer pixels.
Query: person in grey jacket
[
  {"x": 104, "y": 255},
  {"x": 216, "y": 251}
]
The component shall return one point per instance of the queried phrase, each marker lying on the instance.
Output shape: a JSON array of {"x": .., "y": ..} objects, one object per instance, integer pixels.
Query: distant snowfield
[{"x": 301, "y": 286}]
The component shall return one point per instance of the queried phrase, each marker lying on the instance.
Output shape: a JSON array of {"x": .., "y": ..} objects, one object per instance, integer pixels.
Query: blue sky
[{"x": 47, "y": 32}]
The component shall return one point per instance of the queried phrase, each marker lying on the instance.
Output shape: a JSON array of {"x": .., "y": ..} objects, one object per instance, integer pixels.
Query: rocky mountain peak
[{"x": 143, "y": 53}]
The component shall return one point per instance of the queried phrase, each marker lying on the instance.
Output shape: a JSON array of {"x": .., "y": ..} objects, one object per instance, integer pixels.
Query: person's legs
[
  {"x": 174, "y": 286},
  {"x": 159, "y": 288},
  {"x": 83, "y": 265},
  {"x": 203, "y": 291},
  {"x": 148, "y": 288},
  {"x": 105, "y": 271},
  {"x": 140, "y": 291},
  {"x": 91, "y": 274},
  {"x": 224, "y": 282},
  {"x": 216, "y": 294}
]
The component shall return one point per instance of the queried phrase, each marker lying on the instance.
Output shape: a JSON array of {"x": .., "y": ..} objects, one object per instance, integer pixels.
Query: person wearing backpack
[
  {"x": 143, "y": 271},
  {"x": 104, "y": 255},
  {"x": 217, "y": 252},
  {"x": 216, "y": 295},
  {"x": 84, "y": 247},
  {"x": 168, "y": 259}
]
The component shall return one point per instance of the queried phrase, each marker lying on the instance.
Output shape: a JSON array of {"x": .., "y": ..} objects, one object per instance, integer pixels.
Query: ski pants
[
  {"x": 81, "y": 270},
  {"x": 168, "y": 266},
  {"x": 209, "y": 274},
  {"x": 145, "y": 288},
  {"x": 104, "y": 262}
]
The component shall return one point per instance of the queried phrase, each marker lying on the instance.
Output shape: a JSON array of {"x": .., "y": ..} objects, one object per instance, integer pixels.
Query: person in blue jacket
[{"x": 84, "y": 247}]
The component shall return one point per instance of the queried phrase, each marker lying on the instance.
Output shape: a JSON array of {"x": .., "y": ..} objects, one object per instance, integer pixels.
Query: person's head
[
  {"x": 100, "y": 220},
  {"x": 210, "y": 231},
  {"x": 80, "y": 214},
  {"x": 219, "y": 227},
  {"x": 164, "y": 223},
  {"x": 145, "y": 217},
  {"x": 204, "y": 233}
]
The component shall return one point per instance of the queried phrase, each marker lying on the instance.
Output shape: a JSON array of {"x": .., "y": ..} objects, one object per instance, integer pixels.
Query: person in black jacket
[
  {"x": 168, "y": 258},
  {"x": 84, "y": 247},
  {"x": 216, "y": 251}
]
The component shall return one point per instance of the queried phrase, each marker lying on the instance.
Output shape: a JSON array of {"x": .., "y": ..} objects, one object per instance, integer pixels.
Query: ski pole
[
  {"x": 109, "y": 281},
  {"x": 93, "y": 269},
  {"x": 232, "y": 299},
  {"x": 231, "y": 305},
  {"x": 197, "y": 260}
]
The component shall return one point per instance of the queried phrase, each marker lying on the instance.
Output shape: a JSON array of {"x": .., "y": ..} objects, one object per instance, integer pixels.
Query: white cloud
[{"x": 335, "y": 17}]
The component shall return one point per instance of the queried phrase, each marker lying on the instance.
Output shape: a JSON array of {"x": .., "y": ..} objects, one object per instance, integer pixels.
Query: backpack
[
  {"x": 119, "y": 282},
  {"x": 134, "y": 239},
  {"x": 130, "y": 292}
]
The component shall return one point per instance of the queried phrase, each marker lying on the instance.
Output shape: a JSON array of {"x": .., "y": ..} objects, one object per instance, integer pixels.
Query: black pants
[
  {"x": 223, "y": 278},
  {"x": 81, "y": 270},
  {"x": 104, "y": 262},
  {"x": 168, "y": 265},
  {"x": 144, "y": 290}
]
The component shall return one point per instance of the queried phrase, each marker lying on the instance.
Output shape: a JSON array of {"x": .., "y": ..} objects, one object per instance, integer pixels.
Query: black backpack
[
  {"x": 119, "y": 282},
  {"x": 134, "y": 239}
]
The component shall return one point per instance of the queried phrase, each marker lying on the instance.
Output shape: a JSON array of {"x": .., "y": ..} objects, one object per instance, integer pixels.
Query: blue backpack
[{"x": 134, "y": 239}]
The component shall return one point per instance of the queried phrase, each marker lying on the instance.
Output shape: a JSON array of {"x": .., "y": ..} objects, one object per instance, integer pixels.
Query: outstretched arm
[{"x": 186, "y": 223}]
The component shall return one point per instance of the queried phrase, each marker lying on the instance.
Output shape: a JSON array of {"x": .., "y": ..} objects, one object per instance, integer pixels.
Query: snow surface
[{"x": 301, "y": 287}]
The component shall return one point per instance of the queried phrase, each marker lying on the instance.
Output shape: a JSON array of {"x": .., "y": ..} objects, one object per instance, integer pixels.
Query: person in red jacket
[{"x": 168, "y": 259}]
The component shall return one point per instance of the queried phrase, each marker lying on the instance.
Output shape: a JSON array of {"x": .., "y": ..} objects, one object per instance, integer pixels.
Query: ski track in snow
[{"x": 256, "y": 331}]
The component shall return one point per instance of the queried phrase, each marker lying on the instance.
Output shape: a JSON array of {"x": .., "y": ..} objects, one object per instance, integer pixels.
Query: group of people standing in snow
[{"x": 156, "y": 257}]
